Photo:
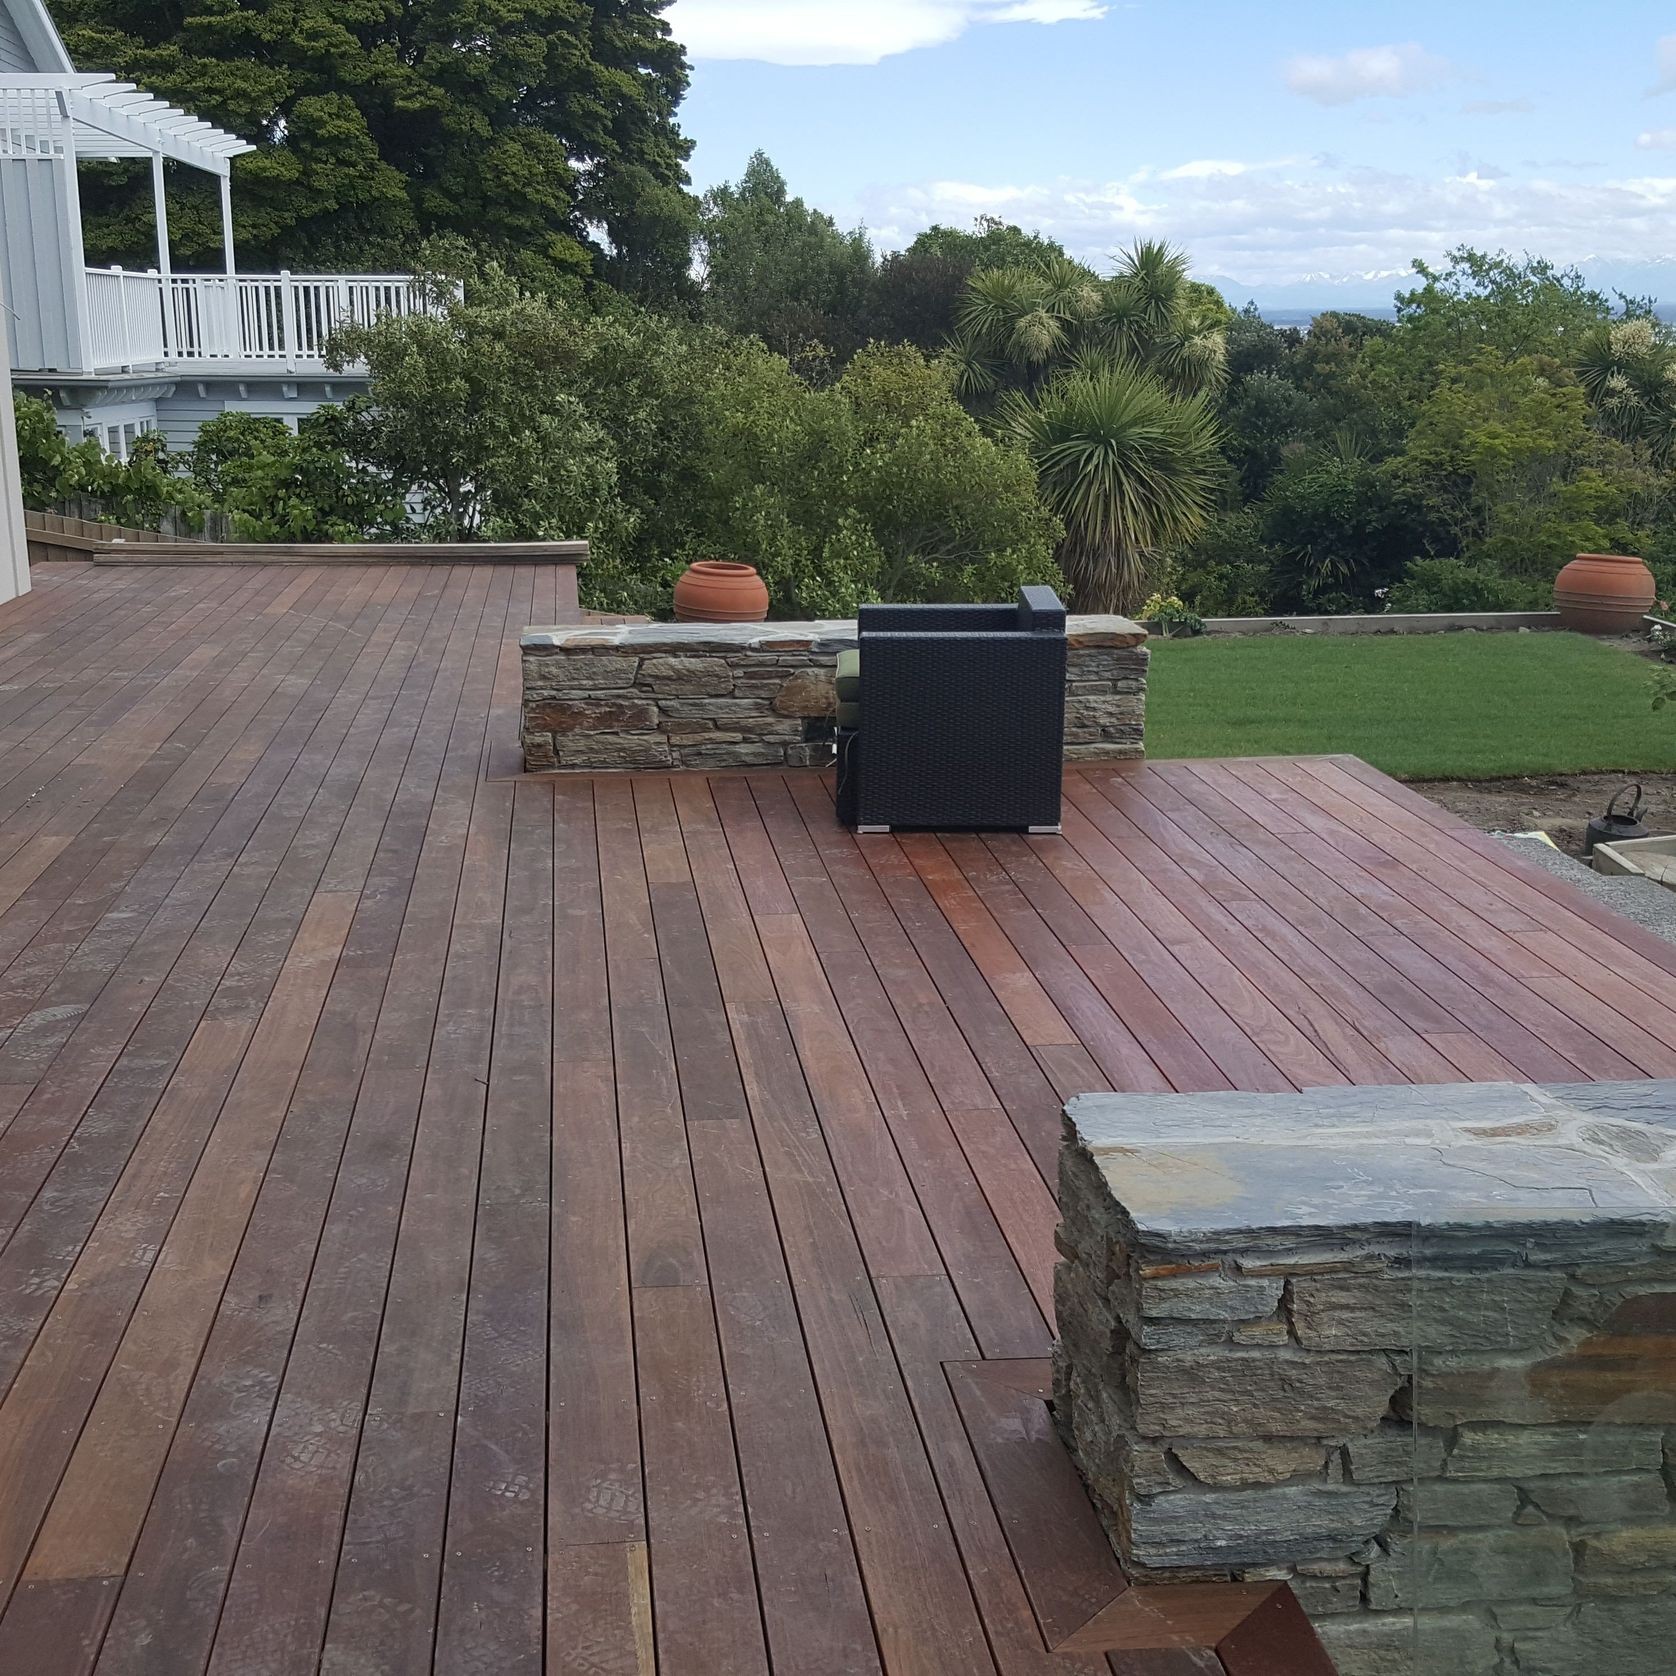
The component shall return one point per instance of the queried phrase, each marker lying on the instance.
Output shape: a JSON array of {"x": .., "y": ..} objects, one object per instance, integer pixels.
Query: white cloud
[
  {"x": 1390, "y": 72},
  {"x": 849, "y": 31},
  {"x": 1657, "y": 139},
  {"x": 1666, "y": 53},
  {"x": 1205, "y": 168},
  {"x": 1272, "y": 224}
]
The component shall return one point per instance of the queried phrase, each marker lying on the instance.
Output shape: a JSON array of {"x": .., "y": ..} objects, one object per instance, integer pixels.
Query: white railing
[
  {"x": 280, "y": 321},
  {"x": 125, "y": 319}
]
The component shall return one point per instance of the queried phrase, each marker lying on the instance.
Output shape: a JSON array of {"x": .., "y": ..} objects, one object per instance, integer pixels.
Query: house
[{"x": 118, "y": 352}]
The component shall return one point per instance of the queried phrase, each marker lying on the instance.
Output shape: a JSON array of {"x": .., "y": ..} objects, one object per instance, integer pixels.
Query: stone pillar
[{"x": 1412, "y": 1350}]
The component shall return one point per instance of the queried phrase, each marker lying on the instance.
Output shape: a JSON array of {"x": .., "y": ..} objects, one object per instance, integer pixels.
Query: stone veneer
[
  {"x": 728, "y": 695},
  {"x": 1412, "y": 1349}
]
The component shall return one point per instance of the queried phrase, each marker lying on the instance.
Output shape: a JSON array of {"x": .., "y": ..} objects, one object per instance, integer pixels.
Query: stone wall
[
  {"x": 1413, "y": 1350},
  {"x": 696, "y": 695}
]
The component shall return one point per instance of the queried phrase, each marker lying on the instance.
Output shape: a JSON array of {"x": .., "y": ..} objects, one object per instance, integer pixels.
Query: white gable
[{"x": 29, "y": 44}]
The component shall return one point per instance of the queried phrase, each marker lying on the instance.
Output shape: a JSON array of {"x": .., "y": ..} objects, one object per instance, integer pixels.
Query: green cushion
[
  {"x": 849, "y": 676},
  {"x": 849, "y": 712}
]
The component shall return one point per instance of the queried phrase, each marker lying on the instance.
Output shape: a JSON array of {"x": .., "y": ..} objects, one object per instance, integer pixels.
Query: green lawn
[{"x": 1434, "y": 706}]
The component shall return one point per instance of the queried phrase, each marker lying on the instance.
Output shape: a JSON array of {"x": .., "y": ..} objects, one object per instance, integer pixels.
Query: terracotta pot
[
  {"x": 718, "y": 591},
  {"x": 1604, "y": 593}
]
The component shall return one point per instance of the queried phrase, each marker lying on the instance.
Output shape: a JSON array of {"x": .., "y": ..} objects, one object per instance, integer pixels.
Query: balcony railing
[{"x": 137, "y": 321}]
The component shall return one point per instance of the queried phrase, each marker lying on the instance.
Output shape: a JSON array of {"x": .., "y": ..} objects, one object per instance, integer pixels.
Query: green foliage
[
  {"x": 1342, "y": 529},
  {"x": 778, "y": 270},
  {"x": 1227, "y": 570},
  {"x": 303, "y": 487},
  {"x": 133, "y": 491},
  {"x": 917, "y": 292},
  {"x": 1172, "y": 617},
  {"x": 1021, "y": 327},
  {"x": 1481, "y": 302},
  {"x": 1126, "y": 466},
  {"x": 879, "y": 487},
  {"x": 543, "y": 129},
  {"x": 1264, "y": 420},
  {"x": 1628, "y": 370},
  {"x": 1455, "y": 585},
  {"x": 518, "y": 416},
  {"x": 472, "y": 412},
  {"x": 1464, "y": 453},
  {"x": 43, "y": 453},
  {"x": 1103, "y": 382}
]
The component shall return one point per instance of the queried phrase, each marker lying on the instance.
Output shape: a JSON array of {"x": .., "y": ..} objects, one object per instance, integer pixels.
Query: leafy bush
[
  {"x": 1171, "y": 617},
  {"x": 136, "y": 491},
  {"x": 1342, "y": 529},
  {"x": 1455, "y": 585},
  {"x": 280, "y": 486},
  {"x": 1228, "y": 570}
]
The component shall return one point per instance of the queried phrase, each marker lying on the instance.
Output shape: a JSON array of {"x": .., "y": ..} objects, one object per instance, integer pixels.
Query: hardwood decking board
[
  {"x": 922, "y": 1608},
  {"x": 279, "y": 1589},
  {"x": 970, "y": 1243},
  {"x": 1480, "y": 958},
  {"x": 192, "y": 1526},
  {"x": 490, "y": 1616}
]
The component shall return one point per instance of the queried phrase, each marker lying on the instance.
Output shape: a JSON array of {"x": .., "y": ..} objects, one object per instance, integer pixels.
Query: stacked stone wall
[
  {"x": 1457, "y": 1442},
  {"x": 651, "y": 696}
]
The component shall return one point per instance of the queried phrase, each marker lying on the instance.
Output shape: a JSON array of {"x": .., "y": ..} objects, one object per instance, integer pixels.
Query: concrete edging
[{"x": 1381, "y": 622}]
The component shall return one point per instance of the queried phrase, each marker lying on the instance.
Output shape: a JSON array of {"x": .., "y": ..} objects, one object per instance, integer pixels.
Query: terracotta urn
[
  {"x": 1604, "y": 593},
  {"x": 719, "y": 591}
]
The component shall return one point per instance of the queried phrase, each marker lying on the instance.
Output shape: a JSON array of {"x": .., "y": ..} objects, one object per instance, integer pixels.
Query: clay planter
[
  {"x": 717, "y": 591},
  {"x": 1604, "y": 593}
]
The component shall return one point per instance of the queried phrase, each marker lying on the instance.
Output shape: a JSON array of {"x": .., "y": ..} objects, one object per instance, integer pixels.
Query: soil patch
[{"x": 1560, "y": 805}]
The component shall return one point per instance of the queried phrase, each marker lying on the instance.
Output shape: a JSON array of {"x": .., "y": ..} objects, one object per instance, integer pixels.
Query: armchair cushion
[{"x": 849, "y": 676}]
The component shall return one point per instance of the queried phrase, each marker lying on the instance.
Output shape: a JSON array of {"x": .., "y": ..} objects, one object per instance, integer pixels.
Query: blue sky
[{"x": 1276, "y": 142}]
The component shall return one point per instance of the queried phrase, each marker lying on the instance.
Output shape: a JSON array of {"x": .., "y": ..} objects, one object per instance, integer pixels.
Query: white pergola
[{"x": 96, "y": 116}]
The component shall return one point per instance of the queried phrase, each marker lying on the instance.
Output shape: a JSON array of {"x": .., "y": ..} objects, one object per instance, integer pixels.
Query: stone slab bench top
[
  {"x": 1230, "y": 1171},
  {"x": 825, "y": 635}
]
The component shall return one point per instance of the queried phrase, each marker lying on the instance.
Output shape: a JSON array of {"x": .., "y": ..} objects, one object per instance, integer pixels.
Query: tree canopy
[
  {"x": 545, "y": 130},
  {"x": 780, "y": 271}
]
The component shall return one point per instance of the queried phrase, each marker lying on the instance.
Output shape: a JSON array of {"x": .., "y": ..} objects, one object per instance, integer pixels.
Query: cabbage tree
[{"x": 1126, "y": 466}]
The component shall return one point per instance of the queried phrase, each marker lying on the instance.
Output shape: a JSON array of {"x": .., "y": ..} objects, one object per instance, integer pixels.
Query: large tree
[
  {"x": 542, "y": 129},
  {"x": 918, "y": 291},
  {"x": 778, "y": 270}
]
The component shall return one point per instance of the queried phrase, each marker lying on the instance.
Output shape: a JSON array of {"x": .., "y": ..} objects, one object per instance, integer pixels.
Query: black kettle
[{"x": 1614, "y": 825}]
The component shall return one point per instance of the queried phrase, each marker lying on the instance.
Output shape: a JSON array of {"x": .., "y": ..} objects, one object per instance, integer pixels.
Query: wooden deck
[{"x": 453, "y": 1220}]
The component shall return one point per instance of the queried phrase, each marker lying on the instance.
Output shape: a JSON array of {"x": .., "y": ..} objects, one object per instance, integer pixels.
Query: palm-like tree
[
  {"x": 1104, "y": 384},
  {"x": 1628, "y": 371},
  {"x": 1127, "y": 468},
  {"x": 1019, "y": 327}
]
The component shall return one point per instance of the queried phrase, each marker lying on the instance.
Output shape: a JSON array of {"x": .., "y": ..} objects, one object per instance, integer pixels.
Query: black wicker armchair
[{"x": 953, "y": 716}]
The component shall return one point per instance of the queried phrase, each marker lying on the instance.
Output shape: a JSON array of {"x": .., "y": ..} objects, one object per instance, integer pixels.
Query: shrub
[
  {"x": 137, "y": 490},
  {"x": 280, "y": 486},
  {"x": 1456, "y": 585}
]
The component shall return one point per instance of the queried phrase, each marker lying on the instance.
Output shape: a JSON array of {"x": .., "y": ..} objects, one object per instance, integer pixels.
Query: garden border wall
[{"x": 762, "y": 695}]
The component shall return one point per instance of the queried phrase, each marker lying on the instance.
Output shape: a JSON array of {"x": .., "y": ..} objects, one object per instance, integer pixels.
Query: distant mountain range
[{"x": 1299, "y": 301}]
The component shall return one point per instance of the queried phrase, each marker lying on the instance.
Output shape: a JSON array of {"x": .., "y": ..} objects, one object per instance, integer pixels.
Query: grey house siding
[
  {"x": 38, "y": 282},
  {"x": 180, "y": 415},
  {"x": 14, "y": 55}
]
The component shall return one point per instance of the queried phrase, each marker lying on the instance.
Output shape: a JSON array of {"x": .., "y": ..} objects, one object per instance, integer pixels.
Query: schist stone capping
[{"x": 1412, "y": 1349}]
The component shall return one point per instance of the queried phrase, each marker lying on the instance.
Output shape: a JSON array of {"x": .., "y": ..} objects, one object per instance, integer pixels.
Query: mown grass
[{"x": 1436, "y": 706}]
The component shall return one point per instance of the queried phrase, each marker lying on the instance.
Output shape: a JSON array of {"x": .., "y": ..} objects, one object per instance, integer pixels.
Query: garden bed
[{"x": 1560, "y": 805}]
